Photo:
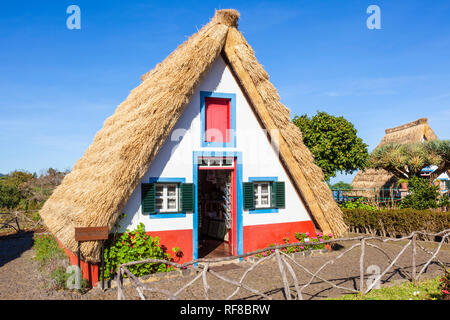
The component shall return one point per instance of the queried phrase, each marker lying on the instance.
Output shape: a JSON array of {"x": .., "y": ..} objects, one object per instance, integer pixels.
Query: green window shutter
[
  {"x": 187, "y": 197},
  {"x": 278, "y": 195},
  {"x": 148, "y": 198},
  {"x": 249, "y": 196}
]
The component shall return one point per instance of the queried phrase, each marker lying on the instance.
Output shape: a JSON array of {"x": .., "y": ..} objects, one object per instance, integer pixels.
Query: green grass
[
  {"x": 47, "y": 249},
  {"x": 424, "y": 290}
]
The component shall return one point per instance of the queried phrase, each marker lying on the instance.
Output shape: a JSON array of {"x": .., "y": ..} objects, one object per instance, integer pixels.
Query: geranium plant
[{"x": 134, "y": 246}]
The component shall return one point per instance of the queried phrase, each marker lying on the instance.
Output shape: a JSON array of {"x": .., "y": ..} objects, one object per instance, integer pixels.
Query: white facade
[{"x": 175, "y": 160}]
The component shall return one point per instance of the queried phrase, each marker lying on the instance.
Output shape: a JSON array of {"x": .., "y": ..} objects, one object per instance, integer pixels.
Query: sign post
[{"x": 92, "y": 234}]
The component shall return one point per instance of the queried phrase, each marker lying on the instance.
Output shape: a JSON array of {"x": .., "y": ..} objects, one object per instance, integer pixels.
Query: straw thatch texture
[
  {"x": 373, "y": 179},
  {"x": 102, "y": 181}
]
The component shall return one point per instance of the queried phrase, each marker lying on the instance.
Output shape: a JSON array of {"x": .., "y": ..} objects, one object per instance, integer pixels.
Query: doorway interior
[{"x": 215, "y": 208}]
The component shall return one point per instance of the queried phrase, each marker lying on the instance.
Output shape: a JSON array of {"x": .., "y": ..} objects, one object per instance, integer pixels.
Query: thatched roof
[
  {"x": 411, "y": 132},
  {"x": 102, "y": 181}
]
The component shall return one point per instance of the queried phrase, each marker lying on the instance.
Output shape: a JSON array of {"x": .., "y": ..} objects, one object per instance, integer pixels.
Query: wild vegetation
[
  {"x": 28, "y": 191},
  {"x": 23, "y": 193},
  {"x": 53, "y": 262}
]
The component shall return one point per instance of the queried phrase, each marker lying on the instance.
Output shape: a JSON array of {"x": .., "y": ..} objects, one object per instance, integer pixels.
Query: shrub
[
  {"x": 135, "y": 246},
  {"x": 395, "y": 222},
  {"x": 47, "y": 249},
  {"x": 421, "y": 195},
  {"x": 359, "y": 203}
]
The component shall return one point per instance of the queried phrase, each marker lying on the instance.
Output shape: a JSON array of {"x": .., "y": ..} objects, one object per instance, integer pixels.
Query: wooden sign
[{"x": 91, "y": 233}]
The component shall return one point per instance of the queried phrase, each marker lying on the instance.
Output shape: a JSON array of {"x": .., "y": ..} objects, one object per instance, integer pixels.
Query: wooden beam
[{"x": 91, "y": 233}]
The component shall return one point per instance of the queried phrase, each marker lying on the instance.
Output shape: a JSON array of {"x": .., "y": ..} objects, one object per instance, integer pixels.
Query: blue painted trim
[
  {"x": 167, "y": 215},
  {"x": 263, "y": 210},
  {"x": 251, "y": 179},
  {"x": 166, "y": 180},
  {"x": 232, "y": 97},
  {"x": 239, "y": 197}
]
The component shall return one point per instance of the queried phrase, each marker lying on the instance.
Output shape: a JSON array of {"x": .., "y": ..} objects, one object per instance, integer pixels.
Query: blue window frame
[
  {"x": 232, "y": 97},
  {"x": 263, "y": 210},
  {"x": 164, "y": 215}
]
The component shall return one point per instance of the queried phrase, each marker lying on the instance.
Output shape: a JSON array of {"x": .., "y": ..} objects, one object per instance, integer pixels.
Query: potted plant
[{"x": 403, "y": 184}]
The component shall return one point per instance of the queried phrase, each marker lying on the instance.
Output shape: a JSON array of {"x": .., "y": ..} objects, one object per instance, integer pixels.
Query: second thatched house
[
  {"x": 202, "y": 153},
  {"x": 369, "y": 182}
]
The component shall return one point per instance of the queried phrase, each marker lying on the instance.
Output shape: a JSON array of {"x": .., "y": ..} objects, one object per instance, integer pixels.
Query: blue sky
[{"x": 57, "y": 86}]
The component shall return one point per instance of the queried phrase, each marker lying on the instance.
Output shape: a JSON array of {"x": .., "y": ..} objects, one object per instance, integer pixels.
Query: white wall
[{"x": 176, "y": 156}]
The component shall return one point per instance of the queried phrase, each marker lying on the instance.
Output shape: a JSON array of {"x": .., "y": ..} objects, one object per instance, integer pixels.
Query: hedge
[{"x": 395, "y": 222}]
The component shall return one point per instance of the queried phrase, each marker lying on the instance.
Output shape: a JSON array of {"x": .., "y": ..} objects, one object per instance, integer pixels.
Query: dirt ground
[{"x": 20, "y": 278}]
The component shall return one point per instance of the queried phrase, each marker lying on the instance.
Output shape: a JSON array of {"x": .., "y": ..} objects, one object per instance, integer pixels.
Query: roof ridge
[{"x": 407, "y": 125}]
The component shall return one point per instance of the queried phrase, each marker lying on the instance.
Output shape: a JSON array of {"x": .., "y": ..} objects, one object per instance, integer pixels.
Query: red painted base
[
  {"x": 176, "y": 238},
  {"x": 261, "y": 236}
]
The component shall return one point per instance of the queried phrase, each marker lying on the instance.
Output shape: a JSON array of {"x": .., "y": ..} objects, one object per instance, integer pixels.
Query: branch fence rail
[{"x": 291, "y": 286}]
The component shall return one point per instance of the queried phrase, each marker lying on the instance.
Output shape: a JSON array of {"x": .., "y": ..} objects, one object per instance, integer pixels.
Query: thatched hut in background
[{"x": 377, "y": 182}]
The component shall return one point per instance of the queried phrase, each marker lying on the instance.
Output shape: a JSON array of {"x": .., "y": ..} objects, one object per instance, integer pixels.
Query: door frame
[{"x": 237, "y": 223}]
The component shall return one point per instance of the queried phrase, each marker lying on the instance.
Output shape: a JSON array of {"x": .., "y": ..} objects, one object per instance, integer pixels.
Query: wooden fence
[{"x": 291, "y": 286}]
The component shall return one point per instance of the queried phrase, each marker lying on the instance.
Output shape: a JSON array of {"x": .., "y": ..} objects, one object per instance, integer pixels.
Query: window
[
  {"x": 218, "y": 119},
  {"x": 262, "y": 194},
  {"x": 166, "y": 197}
]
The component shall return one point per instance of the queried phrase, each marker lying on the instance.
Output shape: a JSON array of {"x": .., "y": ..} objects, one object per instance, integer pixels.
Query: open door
[{"x": 216, "y": 207}]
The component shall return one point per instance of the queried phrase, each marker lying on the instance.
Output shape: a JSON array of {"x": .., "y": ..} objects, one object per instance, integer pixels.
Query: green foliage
[
  {"x": 334, "y": 143},
  {"x": 395, "y": 222},
  {"x": 422, "y": 195},
  {"x": 60, "y": 276},
  {"x": 407, "y": 160},
  {"x": 26, "y": 191},
  {"x": 46, "y": 249},
  {"x": 341, "y": 185},
  {"x": 9, "y": 195},
  {"x": 316, "y": 243},
  {"x": 358, "y": 203},
  {"x": 424, "y": 290},
  {"x": 134, "y": 246}
]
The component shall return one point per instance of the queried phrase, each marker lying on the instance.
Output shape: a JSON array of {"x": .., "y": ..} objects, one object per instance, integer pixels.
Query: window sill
[
  {"x": 263, "y": 210},
  {"x": 162, "y": 215}
]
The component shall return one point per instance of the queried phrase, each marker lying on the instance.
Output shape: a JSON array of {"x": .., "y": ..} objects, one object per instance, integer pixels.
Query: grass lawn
[{"x": 424, "y": 290}]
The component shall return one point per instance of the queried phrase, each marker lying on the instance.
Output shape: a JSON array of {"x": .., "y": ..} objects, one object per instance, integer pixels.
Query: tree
[
  {"x": 442, "y": 149},
  {"x": 334, "y": 143},
  {"x": 20, "y": 189},
  {"x": 341, "y": 185},
  {"x": 407, "y": 160}
]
